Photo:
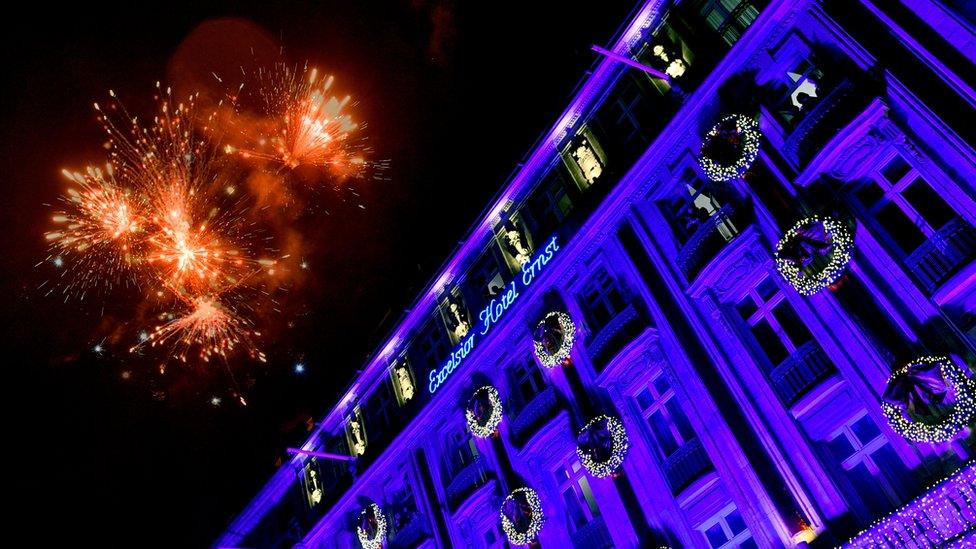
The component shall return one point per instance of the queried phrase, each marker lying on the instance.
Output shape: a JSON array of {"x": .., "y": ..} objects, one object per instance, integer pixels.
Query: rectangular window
[
  {"x": 903, "y": 205},
  {"x": 580, "y": 505},
  {"x": 433, "y": 345},
  {"x": 666, "y": 420},
  {"x": 728, "y": 18},
  {"x": 461, "y": 451},
  {"x": 726, "y": 530},
  {"x": 526, "y": 379},
  {"x": 486, "y": 276},
  {"x": 804, "y": 87},
  {"x": 872, "y": 466},
  {"x": 601, "y": 299},
  {"x": 694, "y": 204},
  {"x": 625, "y": 110},
  {"x": 778, "y": 330},
  {"x": 549, "y": 204}
]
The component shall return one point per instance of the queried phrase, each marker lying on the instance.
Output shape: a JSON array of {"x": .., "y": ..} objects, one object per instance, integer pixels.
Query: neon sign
[{"x": 492, "y": 313}]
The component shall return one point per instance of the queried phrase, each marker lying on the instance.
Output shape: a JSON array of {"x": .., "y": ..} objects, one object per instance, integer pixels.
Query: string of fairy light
[
  {"x": 841, "y": 243},
  {"x": 962, "y": 410},
  {"x": 748, "y": 132},
  {"x": 372, "y": 540},
  {"x": 536, "y": 519},
  {"x": 620, "y": 444},
  {"x": 487, "y": 427},
  {"x": 562, "y": 352},
  {"x": 905, "y": 526}
]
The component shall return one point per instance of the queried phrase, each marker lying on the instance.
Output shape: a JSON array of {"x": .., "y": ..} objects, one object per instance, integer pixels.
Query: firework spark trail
[
  {"x": 157, "y": 210},
  {"x": 164, "y": 215},
  {"x": 305, "y": 126},
  {"x": 209, "y": 326},
  {"x": 98, "y": 233}
]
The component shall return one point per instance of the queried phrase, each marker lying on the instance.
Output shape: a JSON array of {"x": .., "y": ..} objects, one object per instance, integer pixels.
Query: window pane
[
  {"x": 895, "y": 169},
  {"x": 716, "y": 535},
  {"x": 795, "y": 329},
  {"x": 573, "y": 507},
  {"x": 736, "y": 524},
  {"x": 769, "y": 342},
  {"x": 767, "y": 288},
  {"x": 869, "y": 194},
  {"x": 892, "y": 467},
  {"x": 661, "y": 384},
  {"x": 866, "y": 429},
  {"x": 645, "y": 399},
  {"x": 662, "y": 433},
  {"x": 841, "y": 448},
  {"x": 588, "y": 496},
  {"x": 748, "y": 544},
  {"x": 928, "y": 203},
  {"x": 868, "y": 489},
  {"x": 680, "y": 420},
  {"x": 746, "y": 307},
  {"x": 902, "y": 230}
]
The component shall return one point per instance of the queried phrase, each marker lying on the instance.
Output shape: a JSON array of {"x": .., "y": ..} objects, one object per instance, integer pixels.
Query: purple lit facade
[{"x": 752, "y": 411}]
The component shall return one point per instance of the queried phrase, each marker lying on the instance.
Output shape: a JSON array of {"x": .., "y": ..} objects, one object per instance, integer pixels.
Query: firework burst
[
  {"x": 97, "y": 233},
  {"x": 208, "y": 327},
  {"x": 156, "y": 214},
  {"x": 304, "y": 124}
]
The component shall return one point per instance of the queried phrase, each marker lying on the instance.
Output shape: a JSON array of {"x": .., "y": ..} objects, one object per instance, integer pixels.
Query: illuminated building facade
[{"x": 732, "y": 307}]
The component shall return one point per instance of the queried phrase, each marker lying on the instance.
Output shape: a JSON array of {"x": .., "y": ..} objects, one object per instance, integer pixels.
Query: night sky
[{"x": 105, "y": 452}]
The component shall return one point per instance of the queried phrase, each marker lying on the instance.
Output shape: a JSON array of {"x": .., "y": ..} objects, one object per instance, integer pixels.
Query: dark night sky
[{"x": 454, "y": 96}]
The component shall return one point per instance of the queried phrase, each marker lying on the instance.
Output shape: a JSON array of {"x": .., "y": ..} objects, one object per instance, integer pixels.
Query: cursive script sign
[{"x": 492, "y": 313}]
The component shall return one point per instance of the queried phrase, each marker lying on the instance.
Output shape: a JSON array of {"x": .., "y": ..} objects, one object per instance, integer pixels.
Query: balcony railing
[
  {"x": 800, "y": 372},
  {"x": 827, "y": 117},
  {"x": 945, "y": 516},
  {"x": 686, "y": 465},
  {"x": 410, "y": 534},
  {"x": 949, "y": 249},
  {"x": 594, "y": 535},
  {"x": 465, "y": 481},
  {"x": 536, "y": 412},
  {"x": 615, "y": 335},
  {"x": 710, "y": 238}
]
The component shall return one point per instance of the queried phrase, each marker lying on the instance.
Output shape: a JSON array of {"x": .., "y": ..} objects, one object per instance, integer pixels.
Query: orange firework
[
  {"x": 98, "y": 232},
  {"x": 159, "y": 205},
  {"x": 306, "y": 125},
  {"x": 209, "y": 327},
  {"x": 194, "y": 248}
]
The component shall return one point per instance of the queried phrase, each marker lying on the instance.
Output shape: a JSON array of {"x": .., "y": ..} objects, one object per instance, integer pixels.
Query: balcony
[
  {"x": 827, "y": 117},
  {"x": 949, "y": 249},
  {"x": 711, "y": 237},
  {"x": 410, "y": 534},
  {"x": 465, "y": 481},
  {"x": 615, "y": 335},
  {"x": 536, "y": 413},
  {"x": 594, "y": 535},
  {"x": 800, "y": 372},
  {"x": 945, "y": 516},
  {"x": 686, "y": 465}
]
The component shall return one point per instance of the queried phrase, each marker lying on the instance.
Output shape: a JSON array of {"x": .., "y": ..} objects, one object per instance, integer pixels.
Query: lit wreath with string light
[
  {"x": 802, "y": 250},
  {"x": 915, "y": 381},
  {"x": 526, "y": 507},
  {"x": 602, "y": 445},
  {"x": 374, "y": 541},
  {"x": 548, "y": 356},
  {"x": 484, "y": 427},
  {"x": 746, "y": 135}
]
